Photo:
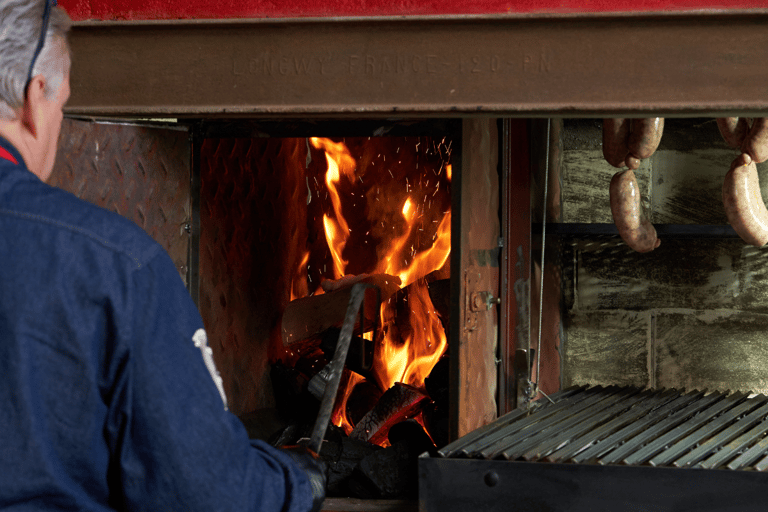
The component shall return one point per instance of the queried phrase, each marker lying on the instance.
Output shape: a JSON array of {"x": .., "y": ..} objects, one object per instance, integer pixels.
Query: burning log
[
  {"x": 398, "y": 403},
  {"x": 309, "y": 316}
]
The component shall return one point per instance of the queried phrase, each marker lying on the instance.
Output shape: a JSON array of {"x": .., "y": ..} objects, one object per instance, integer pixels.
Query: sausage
[
  {"x": 632, "y": 162},
  {"x": 628, "y": 215},
  {"x": 615, "y": 135},
  {"x": 756, "y": 142},
  {"x": 733, "y": 130},
  {"x": 743, "y": 203},
  {"x": 644, "y": 136}
]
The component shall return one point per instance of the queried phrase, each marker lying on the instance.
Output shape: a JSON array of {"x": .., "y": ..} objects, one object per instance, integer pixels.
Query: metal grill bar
[
  {"x": 728, "y": 451},
  {"x": 762, "y": 465},
  {"x": 469, "y": 443},
  {"x": 474, "y": 448},
  {"x": 658, "y": 429},
  {"x": 548, "y": 416},
  {"x": 705, "y": 431},
  {"x": 600, "y": 417},
  {"x": 626, "y": 424},
  {"x": 657, "y": 445},
  {"x": 632, "y": 427},
  {"x": 651, "y": 418},
  {"x": 580, "y": 443},
  {"x": 750, "y": 456},
  {"x": 517, "y": 447},
  {"x": 723, "y": 437}
]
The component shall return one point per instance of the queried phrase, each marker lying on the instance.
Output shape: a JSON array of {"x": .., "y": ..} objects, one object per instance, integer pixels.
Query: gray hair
[{"x": 20, "y": 24}]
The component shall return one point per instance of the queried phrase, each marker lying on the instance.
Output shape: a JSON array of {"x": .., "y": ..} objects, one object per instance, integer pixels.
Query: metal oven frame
[{"x": 477, "y": 68}]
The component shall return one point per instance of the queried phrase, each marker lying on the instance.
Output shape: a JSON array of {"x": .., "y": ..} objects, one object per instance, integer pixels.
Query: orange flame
[
  {"x": 336, "y": 230},
  {"x": 299, "y": 286},
  {"x": 410, "y": 355}
]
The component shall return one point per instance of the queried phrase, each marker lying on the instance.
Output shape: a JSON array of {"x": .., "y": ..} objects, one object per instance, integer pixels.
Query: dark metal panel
[
  {"x": 490, "y": 485},
  {"x": 140, "y": 172},
  {"x": 669, "y": 63},
  {"x": 515, "y": 321}
]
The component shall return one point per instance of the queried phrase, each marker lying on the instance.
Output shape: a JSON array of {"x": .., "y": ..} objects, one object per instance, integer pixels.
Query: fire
[
  {"x": 407, "y": 351},
  {"x": 299, "y": 286},
  {"x": 336, "y": 230}
]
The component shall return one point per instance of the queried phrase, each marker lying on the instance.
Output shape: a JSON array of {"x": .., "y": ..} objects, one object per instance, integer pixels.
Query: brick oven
[{"x": 198, "y": 136}]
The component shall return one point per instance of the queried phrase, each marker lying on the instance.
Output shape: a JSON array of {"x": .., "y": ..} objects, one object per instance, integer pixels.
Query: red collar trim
[{"x": 4, "y": 154}]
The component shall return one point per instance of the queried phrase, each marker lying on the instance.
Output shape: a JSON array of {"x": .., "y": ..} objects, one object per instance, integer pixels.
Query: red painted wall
[{"x": 189, "y": 9}]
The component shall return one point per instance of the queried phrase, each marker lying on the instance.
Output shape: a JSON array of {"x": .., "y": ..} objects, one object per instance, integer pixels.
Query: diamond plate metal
[
  {"x": 139, "y": 172},
  {"x": 253, "y": 230}
]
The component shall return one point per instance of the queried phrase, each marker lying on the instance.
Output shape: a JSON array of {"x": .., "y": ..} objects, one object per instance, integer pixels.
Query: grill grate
[{"x": 629, "y": 426}]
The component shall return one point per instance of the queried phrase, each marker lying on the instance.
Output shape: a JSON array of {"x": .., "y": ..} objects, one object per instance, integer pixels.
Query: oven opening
[{"x": 288, "y": 224}]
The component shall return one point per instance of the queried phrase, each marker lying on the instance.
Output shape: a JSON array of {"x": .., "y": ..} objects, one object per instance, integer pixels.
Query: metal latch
[{"x": 483, "y": 301}]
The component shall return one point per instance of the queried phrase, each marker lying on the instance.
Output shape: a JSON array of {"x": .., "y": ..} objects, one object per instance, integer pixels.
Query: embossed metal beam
[{"x": 689, "y": 64}]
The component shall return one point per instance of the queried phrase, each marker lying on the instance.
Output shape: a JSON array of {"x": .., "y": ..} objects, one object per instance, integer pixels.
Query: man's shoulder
[{"x": 56, "y": 210}]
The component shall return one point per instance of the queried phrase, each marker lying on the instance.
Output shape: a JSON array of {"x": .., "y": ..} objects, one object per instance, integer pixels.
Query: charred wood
[
  {"x": 309, "y": 316},
  {"x": 342, "y": 455},
  {"x": 398, "y": 403},
  {"x": 386, "y": 474}
]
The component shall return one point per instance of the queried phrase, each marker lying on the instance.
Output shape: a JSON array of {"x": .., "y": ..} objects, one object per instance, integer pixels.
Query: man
[{"x": 107, "y": 400}]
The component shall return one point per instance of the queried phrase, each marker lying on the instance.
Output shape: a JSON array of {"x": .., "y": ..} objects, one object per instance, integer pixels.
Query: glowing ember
[{"x": 405, "y": 219}]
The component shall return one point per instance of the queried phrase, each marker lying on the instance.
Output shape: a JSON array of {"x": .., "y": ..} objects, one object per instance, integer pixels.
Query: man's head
[{"x": 31, "y": 109}]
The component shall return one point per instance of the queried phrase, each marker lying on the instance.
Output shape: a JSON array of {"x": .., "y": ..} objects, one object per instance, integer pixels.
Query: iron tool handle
[{"x": 356, "y": 298}]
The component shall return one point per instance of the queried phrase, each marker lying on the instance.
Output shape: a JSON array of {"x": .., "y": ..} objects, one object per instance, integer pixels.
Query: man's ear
[{"x": 32, "y": 113}]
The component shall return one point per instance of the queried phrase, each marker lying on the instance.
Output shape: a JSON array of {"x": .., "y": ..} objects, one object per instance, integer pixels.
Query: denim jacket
[{"x": 106, "y": 401}]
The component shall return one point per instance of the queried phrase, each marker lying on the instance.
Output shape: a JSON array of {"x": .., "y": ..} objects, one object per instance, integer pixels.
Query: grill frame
[
  {"x": 491, "y": 485},
  {"x": 470, "y": 473}
]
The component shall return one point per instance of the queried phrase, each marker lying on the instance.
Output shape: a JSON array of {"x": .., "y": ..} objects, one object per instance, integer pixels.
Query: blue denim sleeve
[{"x": 176, "y": 447}]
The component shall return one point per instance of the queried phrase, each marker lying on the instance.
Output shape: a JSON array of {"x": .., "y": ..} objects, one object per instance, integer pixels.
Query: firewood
[
  {"x": 386, "y": 474},
  {"x": 309, "y": 316},
  {"x": 342, "y": 455},
  {"x": 398, "y": 403}
]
